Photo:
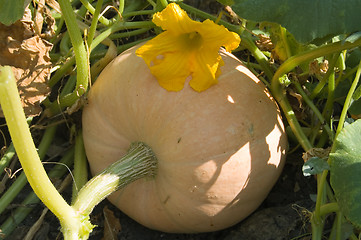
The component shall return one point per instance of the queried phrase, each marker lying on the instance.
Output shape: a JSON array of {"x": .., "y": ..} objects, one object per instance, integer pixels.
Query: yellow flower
[{"x": 186, "y": 48}]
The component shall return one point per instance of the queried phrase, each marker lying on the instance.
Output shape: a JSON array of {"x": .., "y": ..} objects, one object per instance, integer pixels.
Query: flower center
[{"x": 192, "y": 40}]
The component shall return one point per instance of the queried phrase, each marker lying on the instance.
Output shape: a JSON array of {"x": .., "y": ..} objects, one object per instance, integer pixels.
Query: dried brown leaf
[
  {"x": 28, "y": 55},
  {"x": 318, "y": 68},
  {"x": 264, "y": 43},
  {"x": 44, "y": 23},
  {"x": 54, "y": 5},
  {"x": 316, "y": 152},
  {"x": 111, "y": 225}
]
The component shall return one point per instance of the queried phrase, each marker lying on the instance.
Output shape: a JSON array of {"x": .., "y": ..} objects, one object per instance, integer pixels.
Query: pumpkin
[{"x": 219, "y": 152}]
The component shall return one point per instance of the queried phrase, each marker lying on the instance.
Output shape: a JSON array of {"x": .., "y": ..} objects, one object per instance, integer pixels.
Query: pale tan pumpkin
[{"x": 219, "y": 151}]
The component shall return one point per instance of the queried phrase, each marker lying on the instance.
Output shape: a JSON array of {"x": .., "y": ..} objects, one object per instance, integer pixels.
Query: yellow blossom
[{"x": 186, "y": 48}]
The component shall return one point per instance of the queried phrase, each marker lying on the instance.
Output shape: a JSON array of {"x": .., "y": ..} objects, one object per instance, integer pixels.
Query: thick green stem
[
  {"x": 139, "y": 162},
  {"x": 80, "y": 165},
  {"x": 26, "y": 206},
  {"x": 317, "y": 229},
  {"x": 21, "y": 180},
  {"x": 317, "y": 223},
  {"x": 81, "y": 56},
  {"x": 26, "y": 151}
]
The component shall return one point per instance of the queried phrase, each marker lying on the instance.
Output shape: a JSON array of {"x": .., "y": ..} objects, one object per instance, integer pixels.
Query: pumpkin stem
[{"x": 139, "y": 162}]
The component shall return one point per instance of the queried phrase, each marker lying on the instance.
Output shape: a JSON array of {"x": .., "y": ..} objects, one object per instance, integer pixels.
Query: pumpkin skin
[{"x": 219, "y": 151}]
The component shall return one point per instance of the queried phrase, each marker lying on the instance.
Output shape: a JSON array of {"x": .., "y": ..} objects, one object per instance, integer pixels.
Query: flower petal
[
  {"x": 167, "y": 61},
  {"x": 175, "y": 20},
  {"x": 216, "y": 36},
  {"x": 205, "y": 70},
  {"x": 185, "y": 48},
  {"x": 164, "y": 43},
  {"x": 172, "y": 71}
]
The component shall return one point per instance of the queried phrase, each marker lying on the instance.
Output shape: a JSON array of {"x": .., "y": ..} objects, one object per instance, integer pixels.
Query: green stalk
[
  {"x": 317, "y": 228},
  {"x": 348, "y": 100},
  {"x": 69, "y": 99},
  {"x": 327, "y": 111},
  {"x": 139, "y": 162},
  {"x": 6, "y": 158},
  {"x": 309, "y": 102},
  {"x": 278, "y": 89},
  {"x": 121, "y": 7},
  {"x": 331, "y": 87},
  {"x": 81, "y": 56},
  {"x": 121, "y": 48},
  {"x": 164, "y": 3},
  {"x": 65, "y": 44},
  {"x": 322, "y": 83},
  {"x": 329, "y": 208},
  {"x": 336, "y": 231},
  {"x": 69, "y": 86},
  {"x": 120, "y": 26},
  {"x": 137, "y": 13},
  {"x": 318, "y": 213},
  {"x": 22, "y": 212},
  {"x": 285, "y": 42},
  {"x": 80, "y": 165},
  {"x": 59, "y": 74},
  {"x": 258, "y": 55},
  {"x": 21, "y": 180},
  {"x": 26, "y": 151},
  {"x": 92, "y": 10},
  {"x": 129, "y": 34},
  {"x": 93, "y": 26}
]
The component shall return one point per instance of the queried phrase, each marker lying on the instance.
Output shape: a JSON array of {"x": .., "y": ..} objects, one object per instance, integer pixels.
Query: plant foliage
[
  {"x": 345, "y": 171},
  {"x": 307, "y": 20},
  {"x": 11, "y": 11}
]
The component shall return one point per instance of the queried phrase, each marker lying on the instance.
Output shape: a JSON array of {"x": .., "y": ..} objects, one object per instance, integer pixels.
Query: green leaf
[
  {"x": 306, "y": 20},
  {"x": 353, "y": 59},
  {"x": 314, "y": 165},
  {"x": 226, "y": 2},
  {"x": 353, "y": 37},
  {"x": 11, "y": 11},
  {"x": 355, "y": 108},
  {"x": 345, "y": 173}
]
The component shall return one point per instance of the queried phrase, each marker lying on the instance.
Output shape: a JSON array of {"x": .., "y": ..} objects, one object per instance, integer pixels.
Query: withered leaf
[
  {"x": 28, "y": 55},
  {"x": 111, "y": 225},
  {"x": 316, "y": 152}
]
